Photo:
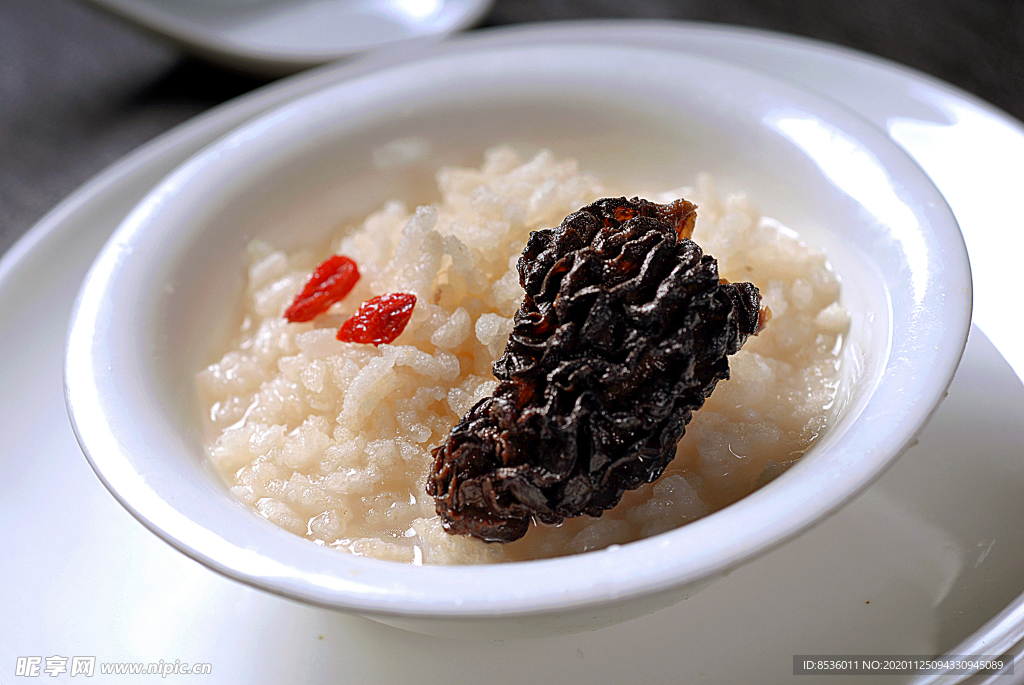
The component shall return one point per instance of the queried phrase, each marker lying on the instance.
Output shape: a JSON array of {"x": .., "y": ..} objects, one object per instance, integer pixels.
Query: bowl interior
[{"x": 163, "y": 297}]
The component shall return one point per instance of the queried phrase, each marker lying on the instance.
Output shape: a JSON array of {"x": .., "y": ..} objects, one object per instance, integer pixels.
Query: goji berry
[
  {"x": 379, "y": 320},
  {"x": 329, "y": 283}
]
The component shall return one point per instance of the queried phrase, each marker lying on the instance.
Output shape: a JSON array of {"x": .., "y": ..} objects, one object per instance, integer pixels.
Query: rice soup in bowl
[
  {"x": 162, "y": 302},
  {"x": 332, "y": 440}
]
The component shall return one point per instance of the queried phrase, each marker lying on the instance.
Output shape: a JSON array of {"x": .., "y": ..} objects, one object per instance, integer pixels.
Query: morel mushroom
[{"x": 624, "y": 332}]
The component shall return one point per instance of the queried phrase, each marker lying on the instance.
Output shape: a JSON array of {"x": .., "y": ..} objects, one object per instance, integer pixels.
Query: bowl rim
[{"x": 614, "y": 574}]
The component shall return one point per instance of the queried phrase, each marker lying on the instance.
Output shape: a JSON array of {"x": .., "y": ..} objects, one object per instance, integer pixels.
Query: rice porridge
[{"x": 332, "y": 440}]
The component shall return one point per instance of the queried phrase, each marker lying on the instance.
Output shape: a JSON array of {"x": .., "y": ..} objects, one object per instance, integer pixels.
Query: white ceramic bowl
[{"x": 161, "y": 297}]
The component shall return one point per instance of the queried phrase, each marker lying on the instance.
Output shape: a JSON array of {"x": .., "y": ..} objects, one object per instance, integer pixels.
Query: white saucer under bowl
[{"x": 936, "y": 569}]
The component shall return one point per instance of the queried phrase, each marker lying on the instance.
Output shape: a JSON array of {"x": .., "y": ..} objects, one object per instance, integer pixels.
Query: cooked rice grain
[{"x": 332, "y": 440}]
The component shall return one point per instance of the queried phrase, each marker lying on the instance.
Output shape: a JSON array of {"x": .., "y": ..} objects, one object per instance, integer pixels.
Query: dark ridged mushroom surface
[{"x": 624, "y": 331}]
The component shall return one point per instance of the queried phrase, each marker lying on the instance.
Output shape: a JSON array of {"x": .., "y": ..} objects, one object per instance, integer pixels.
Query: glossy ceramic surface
[
  {"x": 278, "y": 37},
  {"x": 145, "y": 320},
  {"x": 86, "y": 578}
]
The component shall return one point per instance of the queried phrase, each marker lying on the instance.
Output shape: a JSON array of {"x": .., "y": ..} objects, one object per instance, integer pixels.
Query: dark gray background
[{"x": 79, "y": 88}]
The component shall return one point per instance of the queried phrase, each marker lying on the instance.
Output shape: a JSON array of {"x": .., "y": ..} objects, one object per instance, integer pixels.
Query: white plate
[
  {"x": 278, "y": 37},
  {"x": 917, "y": 564}
]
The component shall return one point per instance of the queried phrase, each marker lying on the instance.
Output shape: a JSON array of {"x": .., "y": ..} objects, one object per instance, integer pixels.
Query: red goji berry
[
  {"x": 329, "y": 283},
  {"x": 379, "y": 320}
]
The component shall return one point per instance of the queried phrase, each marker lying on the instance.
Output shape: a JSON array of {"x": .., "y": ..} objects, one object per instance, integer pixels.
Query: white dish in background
[
  {"x": 939, "y": 559},
  {"x": 278, "y": 37}
]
